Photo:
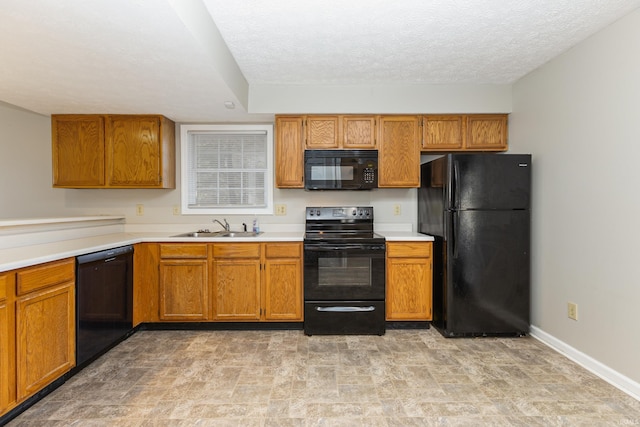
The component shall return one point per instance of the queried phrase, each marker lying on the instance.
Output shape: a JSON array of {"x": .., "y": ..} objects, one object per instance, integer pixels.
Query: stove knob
[
  {"x": 318, "y": 212},
  {"x": 355, "y": 212}
]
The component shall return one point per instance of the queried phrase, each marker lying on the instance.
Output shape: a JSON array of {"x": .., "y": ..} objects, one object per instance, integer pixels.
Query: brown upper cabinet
[
  {"x": 113, "y": 151},
  {"x": 343, "y": 131},
  {"x": 475, "y": 132},
  {"x": 289, "y": 152},
  {"x": 399, "y": 152}
]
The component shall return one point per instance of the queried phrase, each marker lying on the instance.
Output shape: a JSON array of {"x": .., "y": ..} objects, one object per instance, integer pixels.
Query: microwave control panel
[{"x": 369, "y": 175}]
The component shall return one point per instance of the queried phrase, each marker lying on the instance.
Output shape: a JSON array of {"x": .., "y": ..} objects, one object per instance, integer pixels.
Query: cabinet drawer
[
  {"x": 409, "y": 249},
  {"x": 42, "y": 276},
  {"x": 236, "y": 250},
  {"x": 4, "y": 285},
  {"x": 283, "y": 250},
  {"x": 186, "y": 250}
]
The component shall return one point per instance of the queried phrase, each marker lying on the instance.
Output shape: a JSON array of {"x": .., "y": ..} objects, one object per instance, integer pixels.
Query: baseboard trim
[{"x": 615, "y": 378}]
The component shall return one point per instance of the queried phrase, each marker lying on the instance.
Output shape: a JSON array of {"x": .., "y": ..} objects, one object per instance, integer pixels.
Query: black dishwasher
[{"x": 104, "y": 301}]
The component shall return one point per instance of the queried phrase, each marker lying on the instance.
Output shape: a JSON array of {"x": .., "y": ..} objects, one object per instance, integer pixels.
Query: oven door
[{"x": 344, "y": 272}]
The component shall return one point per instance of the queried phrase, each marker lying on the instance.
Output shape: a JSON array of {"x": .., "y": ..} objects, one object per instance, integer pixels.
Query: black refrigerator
[{"x": 477, "y": 207}]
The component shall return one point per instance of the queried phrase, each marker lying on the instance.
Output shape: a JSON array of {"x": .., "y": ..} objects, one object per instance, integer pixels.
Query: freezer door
[
  {"x": 488, "y": 273},
  {"x": 488, "y": 181}
]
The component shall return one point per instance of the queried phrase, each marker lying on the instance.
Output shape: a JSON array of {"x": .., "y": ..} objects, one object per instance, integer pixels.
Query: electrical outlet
[
  {"x": 176, "y": 210},
  {"x": 139, "y": 210},
  {"x": 572, "y": 310},
  {"x": 397, "y": 211},
  {"x": 281, "y": 210}
]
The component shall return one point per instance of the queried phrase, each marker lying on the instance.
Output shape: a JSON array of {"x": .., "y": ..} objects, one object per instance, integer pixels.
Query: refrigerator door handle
[
  {"x": 454, "y": 186},
  {"x": 455, "y": 219}
]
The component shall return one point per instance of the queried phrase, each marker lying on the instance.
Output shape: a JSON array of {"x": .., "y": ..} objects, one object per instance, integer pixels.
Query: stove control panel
[{"x": 351, "y": 212}]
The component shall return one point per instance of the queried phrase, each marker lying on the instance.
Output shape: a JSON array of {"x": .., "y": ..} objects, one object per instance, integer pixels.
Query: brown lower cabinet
[
  {"x": 184, "y": 282},
  {"x": 37, "y": 321},
  {"x": 283, "y": 282},
  {"x": 7, "y": 344},
  {"x": 409, "y": 281},
  {"x": 238, "y": 282}
]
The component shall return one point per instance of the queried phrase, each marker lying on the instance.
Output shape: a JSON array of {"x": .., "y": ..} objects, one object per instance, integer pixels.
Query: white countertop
[
  {"x": 12, "y": 258},
  {"x": 405, "y": 236},
  {"x": 24, "y": 256}
]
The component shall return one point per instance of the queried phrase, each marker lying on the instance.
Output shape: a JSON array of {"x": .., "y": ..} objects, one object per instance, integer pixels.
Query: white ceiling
[{"x": 172, "y": 57}]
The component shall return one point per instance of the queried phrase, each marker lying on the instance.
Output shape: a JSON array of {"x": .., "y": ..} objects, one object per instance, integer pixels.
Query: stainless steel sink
[
  {"x": 219, "y": 234},
  {"x": 242, "y": 234}
]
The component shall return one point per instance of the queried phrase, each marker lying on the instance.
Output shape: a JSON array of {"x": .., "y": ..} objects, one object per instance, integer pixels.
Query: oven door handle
[
  {"x": 342, "y": 248},
  {"x": 350, "y": 309}
]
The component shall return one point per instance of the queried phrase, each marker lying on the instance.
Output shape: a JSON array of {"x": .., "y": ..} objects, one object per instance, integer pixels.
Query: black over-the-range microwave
[{"x": 340, "y": 169}]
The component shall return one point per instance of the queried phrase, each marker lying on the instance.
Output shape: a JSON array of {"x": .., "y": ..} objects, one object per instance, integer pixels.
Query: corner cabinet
[
  {"x": 409, "y": 281},
  {"x": 399, "y": 151},
  {"x": 473, "y": 132},
  {"x": 113, "y": 151},
  {"x": 146, "y": 280}
]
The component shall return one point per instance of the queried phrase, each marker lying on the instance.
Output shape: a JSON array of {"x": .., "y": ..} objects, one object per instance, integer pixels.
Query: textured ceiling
[
  {"x": 417, "y": 41},
  {"x": 161, "y": 56}
]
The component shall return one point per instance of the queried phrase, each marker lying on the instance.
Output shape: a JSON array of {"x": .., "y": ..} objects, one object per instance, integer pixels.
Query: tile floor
[{"x": 284, "y": 378}]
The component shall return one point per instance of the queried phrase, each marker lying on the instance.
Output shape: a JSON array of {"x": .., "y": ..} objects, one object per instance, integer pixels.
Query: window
[{"x": 227, "y": 169}]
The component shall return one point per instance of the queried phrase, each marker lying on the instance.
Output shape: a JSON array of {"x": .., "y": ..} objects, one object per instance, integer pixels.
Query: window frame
[{"x": 184, "y": 179}]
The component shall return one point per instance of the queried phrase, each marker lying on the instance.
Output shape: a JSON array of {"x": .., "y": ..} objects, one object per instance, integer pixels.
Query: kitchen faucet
[{"x": 225, "y": 225}]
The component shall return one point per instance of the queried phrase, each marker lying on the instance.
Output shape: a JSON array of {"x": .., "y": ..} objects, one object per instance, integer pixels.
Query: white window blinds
[{"x": 226, "y": 168}]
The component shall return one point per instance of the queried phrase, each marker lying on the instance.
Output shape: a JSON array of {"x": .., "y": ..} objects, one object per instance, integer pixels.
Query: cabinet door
[
  {"x": 7, "y": 343},
  {"x": 283, "y": 282},
  {"x": 133, "y": 151},
  {"x": 443, "y": 133},
  {"x": 409, "y": 281},
  {"x": 45, "y": 337},
  {"x": 486, "y": 132},
  {"x": 236, "y": 289},
  {"x": 146, "y": 279},
  {"x": 184, "y": 289},
  {"x": 358, "y": 132},
  {"x": 78, "y": 148},
  {"x": 4, "y": 357},
  {"x": 399, "y": 152},
  {"x": 289, "y": 152},
  {"x": 322, "y": 132}
]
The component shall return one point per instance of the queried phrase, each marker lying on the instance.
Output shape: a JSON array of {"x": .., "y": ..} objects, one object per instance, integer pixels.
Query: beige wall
[
  {"x": 579, "y": 115},
  {"x": 25, "y": 166},
  {"x": 26, "y": 192}
]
